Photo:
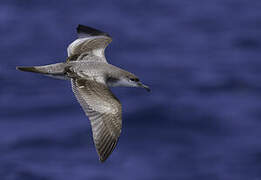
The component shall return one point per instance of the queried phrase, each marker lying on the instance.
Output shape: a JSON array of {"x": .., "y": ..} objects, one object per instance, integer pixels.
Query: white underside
[{"x": 123, "y": 83}]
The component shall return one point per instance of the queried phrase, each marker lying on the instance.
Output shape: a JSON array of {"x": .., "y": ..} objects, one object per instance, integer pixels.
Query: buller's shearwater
[{"x": 91, "y": 76}]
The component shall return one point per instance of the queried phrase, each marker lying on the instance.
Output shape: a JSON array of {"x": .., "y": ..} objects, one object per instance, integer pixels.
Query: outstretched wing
[
  {"x": 91, "y": 42},
  {"x": 104, "y": 112}
]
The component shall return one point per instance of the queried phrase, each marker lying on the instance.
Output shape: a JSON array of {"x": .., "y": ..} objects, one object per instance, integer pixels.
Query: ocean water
[{"x": 201, "y": 121}]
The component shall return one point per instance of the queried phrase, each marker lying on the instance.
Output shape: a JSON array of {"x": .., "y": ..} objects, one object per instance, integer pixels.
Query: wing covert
[{"x": 90, "y": 42}]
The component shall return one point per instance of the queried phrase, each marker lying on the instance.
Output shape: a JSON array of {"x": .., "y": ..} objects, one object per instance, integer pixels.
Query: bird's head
[
  {"x": 127, "y": 80},
  {"x": 134, "y": 81}
]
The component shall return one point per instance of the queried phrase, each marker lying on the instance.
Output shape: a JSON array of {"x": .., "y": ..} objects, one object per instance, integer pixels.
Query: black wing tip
[{"x": 82, "y": 29}]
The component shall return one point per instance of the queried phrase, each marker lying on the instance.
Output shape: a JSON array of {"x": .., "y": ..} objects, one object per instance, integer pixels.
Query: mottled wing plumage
[
  {"x": 104, "y": 112},
  {"x": 91, "y": 42}
]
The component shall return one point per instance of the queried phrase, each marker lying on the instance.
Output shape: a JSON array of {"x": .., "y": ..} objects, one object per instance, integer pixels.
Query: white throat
[{"x": 121, "y": 82}]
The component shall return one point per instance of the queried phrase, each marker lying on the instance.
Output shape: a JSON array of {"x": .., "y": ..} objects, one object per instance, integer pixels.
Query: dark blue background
[{"x": 202, "y": 60}]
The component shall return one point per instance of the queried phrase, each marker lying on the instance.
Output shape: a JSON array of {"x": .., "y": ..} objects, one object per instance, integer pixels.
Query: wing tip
[
  {"x": 102, "y": 157},
  {"x": 90, "y": 31},
  {"x": 102, "y": 160},
  {"x": 105, "y": 155}
]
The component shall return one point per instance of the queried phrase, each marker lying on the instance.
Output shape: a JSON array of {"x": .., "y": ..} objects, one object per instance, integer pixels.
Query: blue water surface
[{"x": 202, "y": 120}]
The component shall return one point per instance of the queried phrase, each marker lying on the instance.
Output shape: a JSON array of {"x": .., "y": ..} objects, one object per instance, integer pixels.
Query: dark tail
[
  {"x": 54, "y": 70},
  {"x": 29, "y": 69}
]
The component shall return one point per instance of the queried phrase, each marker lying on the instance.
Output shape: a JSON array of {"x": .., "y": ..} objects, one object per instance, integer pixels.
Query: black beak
[{"x": 144, "y": 86}]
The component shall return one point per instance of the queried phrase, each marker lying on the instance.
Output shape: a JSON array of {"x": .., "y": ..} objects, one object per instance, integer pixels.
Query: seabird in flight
[{"x": 91, "y": 76}]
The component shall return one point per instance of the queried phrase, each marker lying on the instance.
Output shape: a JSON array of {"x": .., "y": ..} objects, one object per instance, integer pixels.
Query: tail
[{"x": 57, "y": 70}]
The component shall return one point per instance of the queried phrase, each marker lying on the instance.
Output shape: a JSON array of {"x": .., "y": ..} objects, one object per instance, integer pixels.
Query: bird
[{"x": 91, "y": 79}]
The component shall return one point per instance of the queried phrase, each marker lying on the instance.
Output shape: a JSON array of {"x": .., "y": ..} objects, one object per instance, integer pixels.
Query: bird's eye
[{"x": 134, "y": 79}]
